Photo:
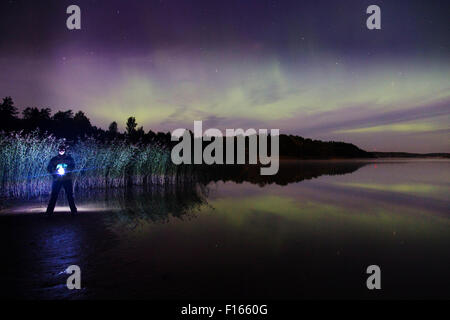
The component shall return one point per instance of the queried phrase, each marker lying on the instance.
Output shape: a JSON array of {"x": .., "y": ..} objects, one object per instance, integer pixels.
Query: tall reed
[{"x": 24, "y": 159}]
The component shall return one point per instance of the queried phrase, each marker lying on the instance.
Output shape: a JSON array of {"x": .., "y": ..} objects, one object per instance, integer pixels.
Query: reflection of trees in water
[
  {"x": 289, "y": 172},
  {"x": 133, "y": 206}
]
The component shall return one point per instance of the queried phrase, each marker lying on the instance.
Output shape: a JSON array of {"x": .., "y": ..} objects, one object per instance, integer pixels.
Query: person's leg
[
  {"x": 69, "y": 193},
  {"x": 56, "y": 186}
]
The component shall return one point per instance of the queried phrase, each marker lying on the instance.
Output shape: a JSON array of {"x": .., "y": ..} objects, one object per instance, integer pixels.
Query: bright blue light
[{"x": 61, "y": 171}]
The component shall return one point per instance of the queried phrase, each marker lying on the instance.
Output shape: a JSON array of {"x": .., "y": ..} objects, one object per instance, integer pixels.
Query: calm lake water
[{"x": 311, "y": 232}]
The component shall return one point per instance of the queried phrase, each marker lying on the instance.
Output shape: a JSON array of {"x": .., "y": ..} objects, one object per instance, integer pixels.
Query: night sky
[{"x": 306, "y": 67}]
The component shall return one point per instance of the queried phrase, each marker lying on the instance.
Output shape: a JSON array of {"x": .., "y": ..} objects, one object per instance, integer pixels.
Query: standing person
[{"x": 61, "y": 167}]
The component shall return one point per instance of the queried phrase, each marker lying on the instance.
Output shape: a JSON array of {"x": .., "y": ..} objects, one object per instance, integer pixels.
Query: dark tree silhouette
[
  {"x": 82, "y": 124},
  {"x": 131, "y": 125},
  {"x": 63, "y": 115},
  {"x": 140, "y": 133},
  {"x": 8, "y": 114},
  {"x": 35, "y": 114},
  {"x": 34, "y": 118},
  {"x": 81, "y": 119},
  {"x": 112, "y": 129}
]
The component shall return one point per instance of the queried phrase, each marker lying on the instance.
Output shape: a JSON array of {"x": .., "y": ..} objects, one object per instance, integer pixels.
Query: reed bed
[{"x": 112, "y": 164}]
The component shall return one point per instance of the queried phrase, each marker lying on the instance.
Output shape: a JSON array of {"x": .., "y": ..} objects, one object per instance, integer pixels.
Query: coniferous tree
[{"x": 8, "y": 114}]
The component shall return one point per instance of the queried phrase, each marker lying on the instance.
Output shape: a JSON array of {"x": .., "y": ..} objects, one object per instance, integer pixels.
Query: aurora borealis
[{"x": 306, "y": 67}]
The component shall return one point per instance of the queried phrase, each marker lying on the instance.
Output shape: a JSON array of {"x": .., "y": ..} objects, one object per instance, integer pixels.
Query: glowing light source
[{"x": 60, "y": 170}]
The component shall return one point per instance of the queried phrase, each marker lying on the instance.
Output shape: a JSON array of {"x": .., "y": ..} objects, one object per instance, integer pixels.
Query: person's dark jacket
[{"x": 66, "y": 162}]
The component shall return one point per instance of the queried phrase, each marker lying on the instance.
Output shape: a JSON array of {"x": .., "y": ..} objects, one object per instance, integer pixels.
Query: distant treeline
[
  {"x": 301, "y": 148},
  {"x": 69, "y": 125},
  {"x": 410, "y": 155},
  {"x": 75, "y": 126}
]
